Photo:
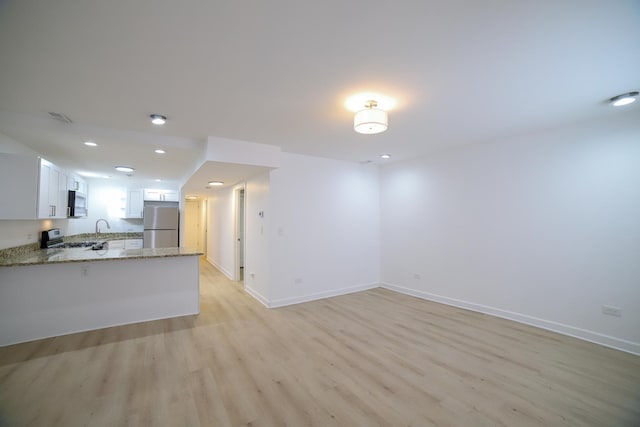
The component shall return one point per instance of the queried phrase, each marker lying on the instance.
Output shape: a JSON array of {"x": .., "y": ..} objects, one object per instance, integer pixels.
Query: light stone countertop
[{"x": 55, "y": 256}]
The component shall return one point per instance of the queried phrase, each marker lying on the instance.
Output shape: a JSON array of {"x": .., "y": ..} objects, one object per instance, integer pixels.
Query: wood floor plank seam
[{"x": 372, "y": 358}]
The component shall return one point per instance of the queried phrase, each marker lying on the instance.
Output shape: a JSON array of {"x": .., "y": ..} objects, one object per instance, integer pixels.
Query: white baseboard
[
  {"x": 320, "y": 295},
  {"x": 222, "y": 269},
  {"x": 257, "y": 295},
  {"x": 572, "y": 331}
]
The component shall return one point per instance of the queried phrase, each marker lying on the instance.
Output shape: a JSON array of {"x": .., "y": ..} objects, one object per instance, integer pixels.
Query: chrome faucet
[{"x": 98, "y": 227}]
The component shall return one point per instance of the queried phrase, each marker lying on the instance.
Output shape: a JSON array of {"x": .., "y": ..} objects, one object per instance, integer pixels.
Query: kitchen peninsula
[{"x": 51, "y": 292}]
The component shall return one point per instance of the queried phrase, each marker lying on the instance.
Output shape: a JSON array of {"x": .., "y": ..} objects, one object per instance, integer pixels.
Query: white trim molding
[
  {"x": 572, "y": 331},
  {"x": 220, "y": 268},
  {"x": 257, "y": 295},
  {"x": 321, "y": 295}
]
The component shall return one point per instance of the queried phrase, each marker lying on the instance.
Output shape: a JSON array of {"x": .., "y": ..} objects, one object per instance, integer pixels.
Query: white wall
[
  {"x": 10, "y": 145},
  {"x": 24, "y": 232},
  {"x": 256, "y": 271},
  {"x": 220, "y": 224},
  {"x": 106, "y": 200},
  {"x": 242, "y": 152},
  {"x": 18, "y": 233},
  {"x": 543, "y": 229},
  {"x": 323, "y": 227}
]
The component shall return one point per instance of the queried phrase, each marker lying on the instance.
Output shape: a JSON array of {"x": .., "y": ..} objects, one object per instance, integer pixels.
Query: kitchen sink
[{"x": 100, "y": 245}]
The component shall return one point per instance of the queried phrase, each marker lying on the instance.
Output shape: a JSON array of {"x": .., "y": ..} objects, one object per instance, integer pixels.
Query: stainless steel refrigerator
[{"x": 160, "y": 226}]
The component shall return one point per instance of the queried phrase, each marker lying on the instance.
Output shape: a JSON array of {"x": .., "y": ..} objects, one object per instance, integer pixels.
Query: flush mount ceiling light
[
  {"x": 355, "y": 102},
  {"x": 90, "y": 144},
  {"x": 216, "y": 183},
  {"x": 160, "y": 151},
  {"x": 624, "y": 99},
  {"x": 385, "y": 156},
  {"x": 124, "y": 169},
  {"x": 158, "y": 119},
  {"x": 371, "y": 119}
]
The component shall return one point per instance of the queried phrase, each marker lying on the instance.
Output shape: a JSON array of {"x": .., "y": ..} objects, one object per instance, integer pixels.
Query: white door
[{"x": 192, "y": 224}]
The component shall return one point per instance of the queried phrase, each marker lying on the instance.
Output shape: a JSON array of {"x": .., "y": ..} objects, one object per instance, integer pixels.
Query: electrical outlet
[
  {"x": 298, "y": 280},
  {"x": 85, "y": 271},
  {"x": 611, "y": 311},
  {"x": 29, "y": 237},
  {"x": 416, "y": 276}
]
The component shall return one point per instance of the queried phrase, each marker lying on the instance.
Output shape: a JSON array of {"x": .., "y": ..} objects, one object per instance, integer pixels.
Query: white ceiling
[{"x": 278, "y": 72}]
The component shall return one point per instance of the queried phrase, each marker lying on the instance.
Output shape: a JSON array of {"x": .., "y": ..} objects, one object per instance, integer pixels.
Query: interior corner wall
[
  {"x": 324, "y": 228},
  {"x": 543, "y": 229},
  {"x": 220, "y": 231},
  {"x": 10, "y": 145},
  {"x": 256, "y": 270},
  {"x": 22, "y": 232}
]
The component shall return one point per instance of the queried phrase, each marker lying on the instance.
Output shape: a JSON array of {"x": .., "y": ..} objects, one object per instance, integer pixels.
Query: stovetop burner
[{"x": 79, "y": 244}]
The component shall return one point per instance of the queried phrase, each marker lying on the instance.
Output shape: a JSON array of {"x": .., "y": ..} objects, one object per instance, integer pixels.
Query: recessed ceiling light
[
  {"x": 124, "y": 169},
  {"x": 158, "y": 180},
  {"x": 90, "y": 144},
  {"x": 385, "y": 156},
  {"x": 624, "y": 99},
  {"x": 216, "y": 183},
  {"x": 158, "y": 119},
  {"x": 160, "y": 151}
]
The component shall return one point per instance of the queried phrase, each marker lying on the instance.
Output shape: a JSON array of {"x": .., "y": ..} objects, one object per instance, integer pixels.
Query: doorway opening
[
  {"x": 239, "y": 235},
  {"x": 195, "y": 225}
]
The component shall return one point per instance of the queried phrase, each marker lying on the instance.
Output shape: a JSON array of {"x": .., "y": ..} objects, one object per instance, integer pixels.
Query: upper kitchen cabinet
[
  {"x": 75, "y": 183},
  {"x": 19, "y": 189},
  {"x": 134, "y": 204},
  {"x": 160, "y": 195},
  {"x": 52, "y": 191},
  {"x": 34, "y": 188}
]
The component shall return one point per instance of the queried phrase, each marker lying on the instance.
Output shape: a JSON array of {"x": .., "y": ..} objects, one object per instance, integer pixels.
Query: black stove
[
  {"x": 79, "y": 244},
  {"x": 54, "y": 238}
]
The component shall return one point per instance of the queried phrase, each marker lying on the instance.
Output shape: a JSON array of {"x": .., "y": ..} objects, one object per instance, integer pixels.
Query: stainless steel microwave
[{"x": 77, "y": 206}]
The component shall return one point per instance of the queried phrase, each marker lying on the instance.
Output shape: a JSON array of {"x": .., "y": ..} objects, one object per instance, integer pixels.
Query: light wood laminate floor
[{"x": 374, "y": 358}]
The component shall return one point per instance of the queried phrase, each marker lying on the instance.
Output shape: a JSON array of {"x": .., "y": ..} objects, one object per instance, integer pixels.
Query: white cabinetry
[
  {"x": 74, "y": 182},
  {"x": 52, "y": 191},
  {"x": 134, "y": 204},
  {"x": 152, "y": 194},
  {"x": 18, "y": 186},
  {"x": 33, "y": 188},
  {"x": 125, "y": 244},
  {"x": 62, "y": 209}
]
